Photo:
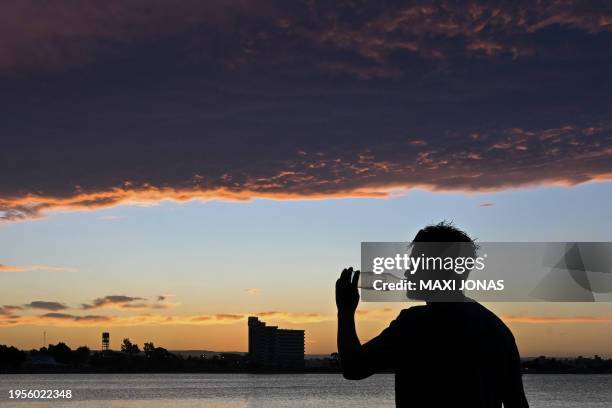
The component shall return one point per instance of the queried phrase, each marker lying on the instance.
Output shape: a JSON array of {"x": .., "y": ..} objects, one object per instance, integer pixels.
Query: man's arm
[{"x": 352, "y": 360}]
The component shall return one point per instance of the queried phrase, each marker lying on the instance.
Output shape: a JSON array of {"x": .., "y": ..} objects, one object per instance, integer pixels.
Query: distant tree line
[
  {"x": 61, "y": 358},
  {"x": 11, "y": 356},
  {"x": 578, "y": 365}
]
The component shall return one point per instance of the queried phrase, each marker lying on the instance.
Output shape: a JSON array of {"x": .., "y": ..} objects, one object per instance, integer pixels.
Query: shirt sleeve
[{"x": 380, "y": 351}]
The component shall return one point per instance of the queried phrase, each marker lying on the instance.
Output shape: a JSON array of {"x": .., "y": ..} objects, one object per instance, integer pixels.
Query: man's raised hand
[{"x": 347, "y": 292}]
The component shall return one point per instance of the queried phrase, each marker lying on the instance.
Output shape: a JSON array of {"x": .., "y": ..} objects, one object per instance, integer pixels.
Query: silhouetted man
[{"x": 451, "y": 352}]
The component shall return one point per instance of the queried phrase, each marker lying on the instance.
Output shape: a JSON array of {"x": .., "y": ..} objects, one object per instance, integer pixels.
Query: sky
[{"x": 168, "y": 170}]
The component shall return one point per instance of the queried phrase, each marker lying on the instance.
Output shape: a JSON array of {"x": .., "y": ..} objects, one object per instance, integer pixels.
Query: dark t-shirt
[{"x": 449, "y": 355}]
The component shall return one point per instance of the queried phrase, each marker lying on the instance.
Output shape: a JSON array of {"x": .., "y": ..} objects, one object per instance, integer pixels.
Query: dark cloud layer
[
  {"x": 114, "y": 300},
  {"x": 112, "y": 102},
  {"x": 126, "y": 302},
  {"x": 8, "y": 311},
  {"x": 66, "y": 316},
  {"x": 46, "y": 305}
]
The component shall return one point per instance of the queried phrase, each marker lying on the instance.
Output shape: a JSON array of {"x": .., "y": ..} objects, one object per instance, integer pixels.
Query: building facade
[
  {"x": 105, "y": 341},
  {"x": 272, "y": 347}
]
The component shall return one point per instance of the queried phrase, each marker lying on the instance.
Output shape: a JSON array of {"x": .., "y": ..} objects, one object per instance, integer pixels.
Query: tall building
[
  {"x": 272, "y": 347},
  {"x": 105, "y": 341}
]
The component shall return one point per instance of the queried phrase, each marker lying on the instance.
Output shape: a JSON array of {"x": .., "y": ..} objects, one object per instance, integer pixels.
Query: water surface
[{"x": 274, "y": 391}]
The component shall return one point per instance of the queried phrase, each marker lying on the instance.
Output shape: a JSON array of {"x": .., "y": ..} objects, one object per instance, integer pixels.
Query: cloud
[
  {"x": 307, "y": 100},
  {"x": 70, "y": 34},
  {"x": 218, "y": 318},
  {"x": 162, "y": 302},
  {"x": 252, "y": 291},
  {"x": 381, "y": 311},
  {"x": 120, "y": 301},
  {"x": 567, "y": 156},
  {"x": 444, "y": 30},
  {"x": 294, "y": 317},
  {"x": 65, "y": 316},
  {"x": 557, "y": 319},
  {"x": 36, "y": 268},
  {"x": 9, "y": 310},
  {"x": 371, "y": 33},
  {"x": 9, "y": 268},
  {"x": 128, "y": 302},
  {"x": 486, "y": 205},
  {"x": 72, "y": 320},
  {"x": 8, "y": 318},
  {"x": 66, "y": 319},
  {"x": 229, "y": 316},
  {"x": 46, "y": 305}
]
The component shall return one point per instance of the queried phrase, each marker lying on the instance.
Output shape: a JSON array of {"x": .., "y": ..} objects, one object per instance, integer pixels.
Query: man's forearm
[
  {"x": 349, "y": 347},
  {"x": 348, "y": 342}
]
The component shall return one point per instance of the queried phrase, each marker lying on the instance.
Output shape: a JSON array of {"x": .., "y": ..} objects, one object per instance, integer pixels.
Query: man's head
[
  {"x": 445, "y": 252},
  {"x": 444, "y": 232}
]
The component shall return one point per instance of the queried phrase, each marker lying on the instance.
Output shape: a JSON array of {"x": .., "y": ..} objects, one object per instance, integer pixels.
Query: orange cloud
[
  {"x": 229, "y": 316},
  {"x": 557, "y": 319},
  {"x": 66, "y": 319},
  {"x": 41, "y": 205},
  {"x": 566, "y": 156},
  {"x": 60, "y": 319},
  {"x": 38, "y": 205},
  {"x": 9, "y": 268},
  {"x": 72, "y": 320},
  {"x": 295, "y": 317},
  {"x": 369, "y": 312},
  {"x": 36, "y": 268}
]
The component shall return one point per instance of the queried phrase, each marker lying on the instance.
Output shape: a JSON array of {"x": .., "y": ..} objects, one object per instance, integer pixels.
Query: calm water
[{"x": 275, "y": 391}]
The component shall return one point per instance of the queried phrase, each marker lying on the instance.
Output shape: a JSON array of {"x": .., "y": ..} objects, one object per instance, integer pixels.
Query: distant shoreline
[{"x": 61, "y": 359}]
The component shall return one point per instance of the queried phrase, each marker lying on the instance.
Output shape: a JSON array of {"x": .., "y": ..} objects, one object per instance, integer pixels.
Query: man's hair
[{"x": 446, "y": 232}]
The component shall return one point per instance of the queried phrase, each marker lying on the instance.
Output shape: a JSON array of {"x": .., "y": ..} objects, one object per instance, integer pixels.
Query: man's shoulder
[
  {"x": 412, "y": 312},
  {"x": 467, "y": 312},
  {"x": 407, "y": 318},
  {"x": 493, "y": 321}
]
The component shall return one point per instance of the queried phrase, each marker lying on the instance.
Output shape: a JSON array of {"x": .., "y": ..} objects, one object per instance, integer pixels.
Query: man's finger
[
  {"x": 345, "y": 275},
  {"x": 355, "y": 280},
  {"x": 349, "y": 273}
]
